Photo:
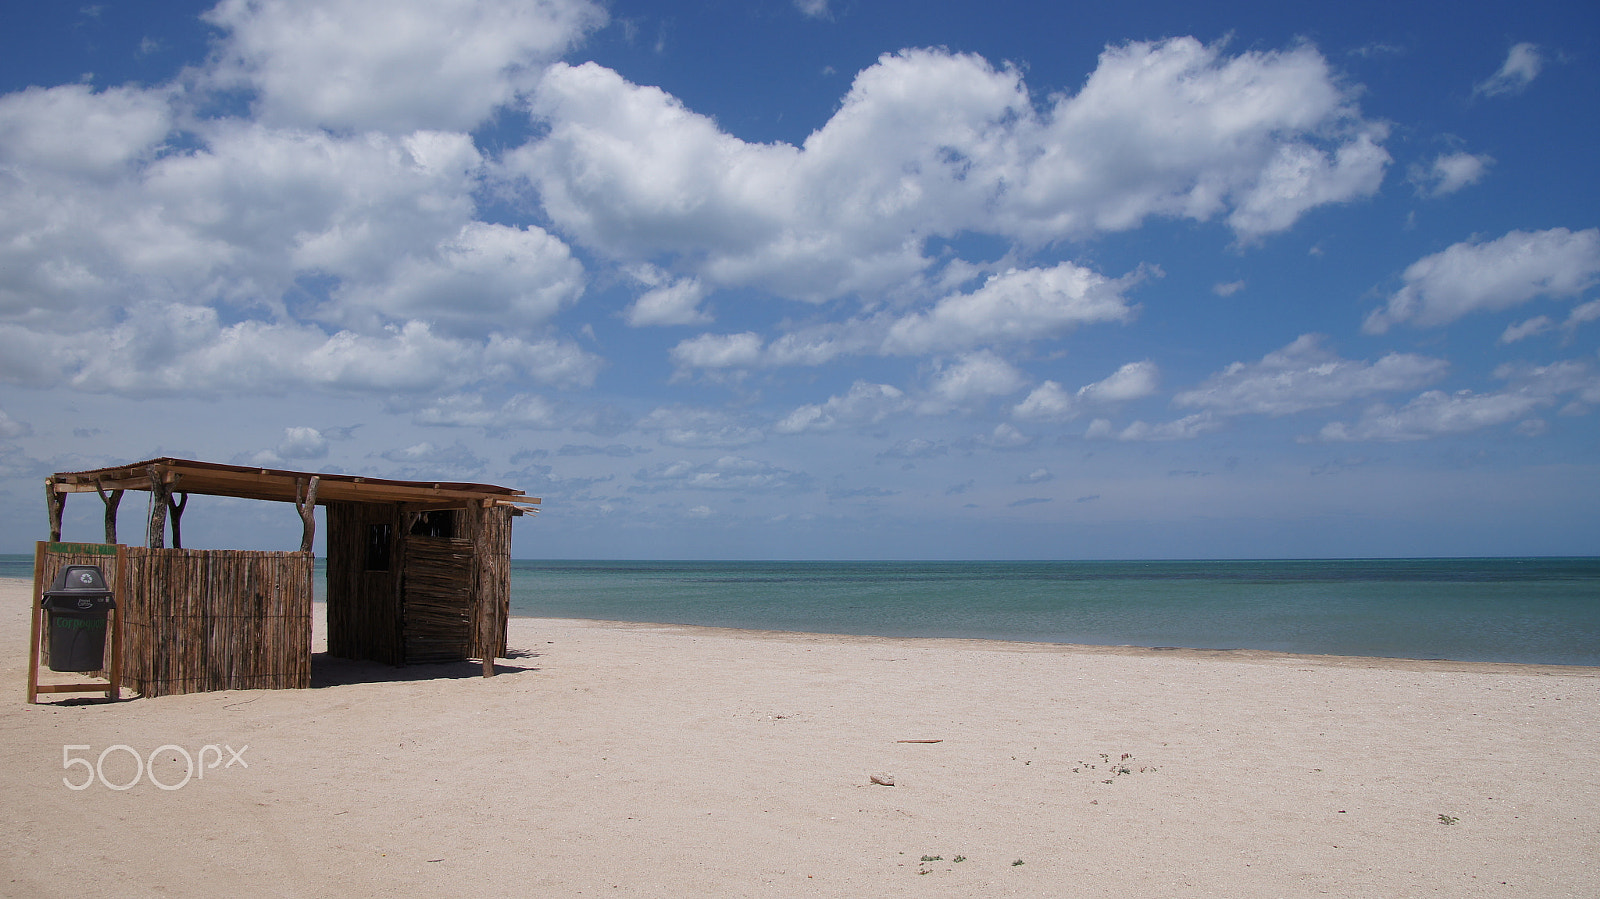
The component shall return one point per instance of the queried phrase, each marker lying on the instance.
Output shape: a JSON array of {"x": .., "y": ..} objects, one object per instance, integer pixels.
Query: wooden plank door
[{"x": 437, "y": 598}]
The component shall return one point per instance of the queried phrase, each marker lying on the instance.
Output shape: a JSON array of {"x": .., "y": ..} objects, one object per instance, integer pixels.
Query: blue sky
[{"x": 820, "y": 279}]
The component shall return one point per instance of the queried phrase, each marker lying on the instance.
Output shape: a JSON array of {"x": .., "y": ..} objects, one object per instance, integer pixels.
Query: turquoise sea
[
  {"x": 1539, "y": 610},
  {"x": 1489, "y": 610}
]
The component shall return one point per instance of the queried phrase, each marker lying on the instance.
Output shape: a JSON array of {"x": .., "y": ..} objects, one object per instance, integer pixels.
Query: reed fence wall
[
  {"x": 198, "y": 620},
  {"x": 202, "y": 620}
]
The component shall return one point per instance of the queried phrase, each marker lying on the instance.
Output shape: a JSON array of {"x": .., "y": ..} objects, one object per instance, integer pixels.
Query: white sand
[{"x": 636, "y": 760}]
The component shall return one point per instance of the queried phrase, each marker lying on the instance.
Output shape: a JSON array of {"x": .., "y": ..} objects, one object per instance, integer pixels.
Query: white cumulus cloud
[
  {"x": 1186, "y": 428},
  {"x": 179, "y": 349},
  {"x": 865, "y": 403},
  {"x": 1015, "y": 306},
  {"x": 485, "y": 278},
  {"x": 719, "y": 351},
  {"x": 391, "y": 65},
  {"x": 1489, "y": 276},
  {"x": 1436, "y": 413},
  {"x": 1130, "y": 382},
  {"x": 725, "y": 473},
  {"x": 688, "y": 426},
  {"x": 1304, "y": 375},
  {"x": 972, "y": 378},
  {"x": 74, "y": 130},
  {"x": 666, "y": 301},
  {"x": 303, "y": 443},
  {"x": 929, "y": 143},
  {"x": 1047, "y": 402}
]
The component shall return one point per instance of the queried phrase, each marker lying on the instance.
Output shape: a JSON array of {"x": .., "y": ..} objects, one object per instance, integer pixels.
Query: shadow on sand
[{"x": 331, "y": 671}]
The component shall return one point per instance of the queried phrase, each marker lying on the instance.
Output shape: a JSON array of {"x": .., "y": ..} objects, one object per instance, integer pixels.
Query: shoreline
[{"x": 1265, "y": 656}]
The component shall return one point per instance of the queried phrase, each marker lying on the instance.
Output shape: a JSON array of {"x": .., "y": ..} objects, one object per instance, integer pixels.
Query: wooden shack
[{"x": 417, "y": 571}]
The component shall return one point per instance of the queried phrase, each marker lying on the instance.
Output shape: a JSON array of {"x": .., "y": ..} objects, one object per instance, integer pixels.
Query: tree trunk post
[
  {"x": 307, "y": 506},
  {"x": 55, "y": 503},
  {"x": 156, "y": 533},
  {"x": 177, "y": 516},
  {"x": 111, "y": 500}
]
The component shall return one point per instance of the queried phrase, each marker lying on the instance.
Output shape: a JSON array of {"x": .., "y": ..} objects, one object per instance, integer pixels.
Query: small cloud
[
  {"x": 864, "y": 404},
  {"x": 1530, "y": 328},
  {"x": 303, "y": 443},
  {"x": 1004, "y": 436},
  {"x": 691, "y": 427},
  {"x": 426, "y": 461},
  {"x": 1304, "y": 375},
  {"x": 813, "y": 9},
  {"x": 1581, "y": 315},
  {"x": 1037, "y": 476},
  {"x": 857, "y": 492},
  {"x": 10, "y": 427},
  {"x": 727, "y": 473},
  {"x": 971, "y": 379},
  {"x": 666, "y": 301},
  {"x": 615, "y": 450},
  {"x": 1378, "y": 49},
  {"x": 1449, "y": 173},
  {"x": 916, "y": 448},
  {"x": 1523, "y": 64},
  {"x": 1048, "y": 402},
  {"x": 1093, "y": 497},
  {"x": 1030, "y": 501},
  {"x": 468, "y": 410},
  {"x": 1130, "y": 382},
  {"x": 1185, "y": 428},
  {"x": 958, "y": 489},
  {"x": 1228, "y": 289}
]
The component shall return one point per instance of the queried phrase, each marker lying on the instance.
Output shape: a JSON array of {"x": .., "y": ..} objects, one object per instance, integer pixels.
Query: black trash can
[{"x": 78, "y": 602}]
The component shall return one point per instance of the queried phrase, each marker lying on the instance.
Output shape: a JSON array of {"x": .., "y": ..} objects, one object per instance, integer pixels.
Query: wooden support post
[
  {"x": 56, "y": 503},
  {"x": 177, "y": 516},
  {"x": 111, "y": 500},
  {"x": 123, "y": 601},
  {"x": 36, "y": 616},
  {"x": 305, "y": 500},
  {"x": 156, "y": 532}
]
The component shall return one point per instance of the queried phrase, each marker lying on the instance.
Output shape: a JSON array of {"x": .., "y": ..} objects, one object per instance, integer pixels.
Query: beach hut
[{"x": 417, "y": 571}]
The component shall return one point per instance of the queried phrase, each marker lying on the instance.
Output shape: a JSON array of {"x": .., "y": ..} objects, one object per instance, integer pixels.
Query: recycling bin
[{"x": 77, "y": 604}]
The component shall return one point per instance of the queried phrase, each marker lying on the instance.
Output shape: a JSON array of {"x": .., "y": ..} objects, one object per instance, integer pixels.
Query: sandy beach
[{"x": 635, "y": 760}]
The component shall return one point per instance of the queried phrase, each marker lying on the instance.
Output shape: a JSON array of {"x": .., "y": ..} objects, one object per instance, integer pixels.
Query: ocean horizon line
[{"x": 1053, "y": 561}]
